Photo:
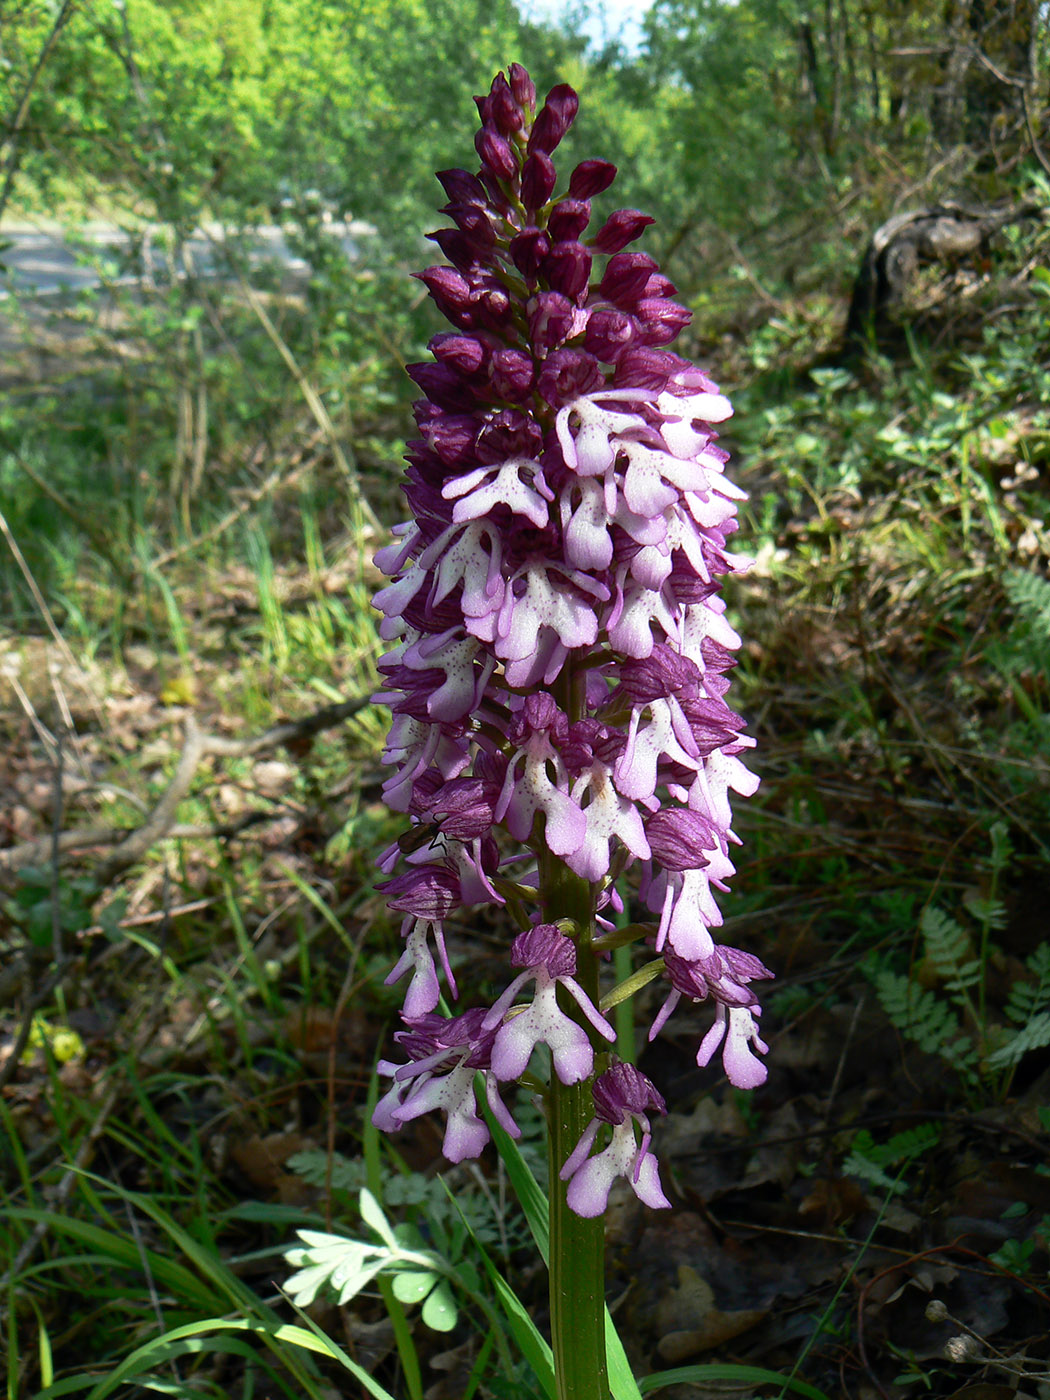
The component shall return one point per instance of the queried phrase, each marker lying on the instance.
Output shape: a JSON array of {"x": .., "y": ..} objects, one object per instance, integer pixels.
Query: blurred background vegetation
[{"x": 200, "y": 448}]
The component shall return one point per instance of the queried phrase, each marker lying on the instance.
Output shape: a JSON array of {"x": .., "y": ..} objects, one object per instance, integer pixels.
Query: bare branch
[
  {"x": 132, "y": 844},
  {"x": 163, "y": 815}
]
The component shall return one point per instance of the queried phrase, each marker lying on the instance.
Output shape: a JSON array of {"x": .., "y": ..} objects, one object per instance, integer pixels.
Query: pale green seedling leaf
[
  {"x": 439, "y": 1310},
  {"x": 372, "y": 1215},
  {"x": 413, "y": 1285},
  {"x": 344, "y": 1264}
]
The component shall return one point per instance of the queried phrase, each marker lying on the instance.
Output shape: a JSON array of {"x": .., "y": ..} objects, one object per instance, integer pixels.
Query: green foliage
[
  {"x": 951, "y": 1022},
  {"x": 869, "y": 1160},
  {"x": 346, "y": 1266},
  {"x": 425, "y": 1199},
  {"x": 926, "y": 1019},
  {"x": 947, "y": 944}
]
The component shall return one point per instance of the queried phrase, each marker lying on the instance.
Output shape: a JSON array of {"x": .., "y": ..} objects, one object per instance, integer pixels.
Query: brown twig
[
  {"x": 163, "y": 815},
  {"x": 45, "y": 613},
  {"x": 132, "y": 844}
]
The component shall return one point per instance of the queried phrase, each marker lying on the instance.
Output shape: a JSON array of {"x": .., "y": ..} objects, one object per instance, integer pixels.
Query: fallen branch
[
  {"x": 132, "y": 844},
  {"x": 163, "y": 815},
  {"x": 325, "y": 718}
]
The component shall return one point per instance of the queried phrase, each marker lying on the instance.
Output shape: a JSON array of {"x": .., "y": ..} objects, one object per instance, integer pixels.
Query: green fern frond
[
  {"x": 1026, "y": 645},
  {"x": 313, "y": 1166},
  {"x": 912, "y": 1142},
  {"x": 916, "y": 1013},
  {"x": 1038, "y": 964},
  {"x": 1029, "y": 595},
  {"x": 947, "y": 944},
  {"x": 987, "y": 911},
  {"x": 923, "y": 1017},
  {"x": 868, "y": 1159},
  {"x": 1032, "y": 1036},
  {"x": 1027, "y": 999},
  {"x": 1002, "y": 848}
]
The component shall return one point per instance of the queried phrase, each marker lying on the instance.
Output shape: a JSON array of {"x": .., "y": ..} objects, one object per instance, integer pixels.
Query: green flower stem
[
  {"x": 577, "y": 1246},
  {"x": 577, "y": 1263}
]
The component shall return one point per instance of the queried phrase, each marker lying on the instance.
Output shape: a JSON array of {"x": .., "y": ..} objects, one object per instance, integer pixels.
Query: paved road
[{"x": 46, "y": 259}]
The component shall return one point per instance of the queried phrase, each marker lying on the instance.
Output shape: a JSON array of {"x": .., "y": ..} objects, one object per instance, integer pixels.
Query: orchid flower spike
[{"x": 558, "y": 653}]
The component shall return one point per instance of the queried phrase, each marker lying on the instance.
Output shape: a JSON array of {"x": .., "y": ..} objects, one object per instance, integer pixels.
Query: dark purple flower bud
[
  {"x": 511, "y": 373},
  {"x": 473, "y": 220},
  {"x": 625, "y": 277},
  {"x": 529, "y": 251},
  {"x": 643, "y": 368},
  {"x": 451, "y": 292},
  {"x": 688, "y": 588},
  {"x": 622, "y": 1090},
  {"x": 496, "y": 153},
  {"x": 745, "y": 967},
  {"x": 609, "y": 333},
  {"x": 451, "y": 437},
  {"x": 464, "y": 807},
  {"x": 425, "y": 617},
  {"x": 462, "y": 187},
  {"x": 550, "y": 320},
  {"x": 427, "y": 891},
  {"x": 717, "y": 658},
  {"x": 567, "y": 268},
  {"x": 678, "y": 838},
  {"x": 463, "y": 353},
  {"x": 410, "y": 690},
  {"x": 661, "y": 319},
  {"x": 538, "y": 715},
  {"x": 554, "y": 118},
  {"x": 496, "y": 198},
  {"x": 523, "y": 88},
  {"x": 508, "y": 434},
  {"x": 623, "y": 226},
  {"x": 589, "y": 741},
  {"x": 566, "y": 374},
  {"x": 722, "y": 975},
  {"x": 591, "y": 177},
  {"x": 491, "y": 304},
  {"x": 538, "y": 178},
  {"x": 660, "y": 286},
  {"x": 442, "y": 386},
  {"x": 461, "y": 251},
  {"x": 503, "y": 108},
  {"x": 711, "y": 722},
  {"x": 541, "y": 712},
  {"x": 426, "y": 1035},
  {"x": 568, "y": 219},
  {"x": 423, "y": 790},
  {"x": 662, "y": 673},
  {"x": 545, "y": 946}
]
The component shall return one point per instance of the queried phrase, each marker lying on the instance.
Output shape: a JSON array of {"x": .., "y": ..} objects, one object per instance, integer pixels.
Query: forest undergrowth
[{"x": 193, "y": 481}]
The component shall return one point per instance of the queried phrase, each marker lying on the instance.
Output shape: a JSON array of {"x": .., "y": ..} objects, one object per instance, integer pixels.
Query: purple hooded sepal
[
  {"x": 623, "y": 1097},
  {"x": 723, "y": 975},
  {"x": 444, "y": 1057},
  {"x": 548, "y": 958}
]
